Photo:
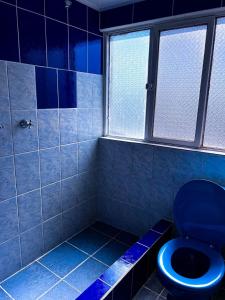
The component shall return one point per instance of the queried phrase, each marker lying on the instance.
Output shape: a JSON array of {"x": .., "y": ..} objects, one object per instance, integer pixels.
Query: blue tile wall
[{"x": 46, "y": 189}]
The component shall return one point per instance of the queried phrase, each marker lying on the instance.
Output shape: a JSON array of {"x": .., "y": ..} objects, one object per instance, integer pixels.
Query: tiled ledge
[{"x": 126, "y": 276}]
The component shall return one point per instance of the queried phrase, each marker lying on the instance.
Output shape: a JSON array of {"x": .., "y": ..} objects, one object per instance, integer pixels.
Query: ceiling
[{"x": 106, "y": 4}]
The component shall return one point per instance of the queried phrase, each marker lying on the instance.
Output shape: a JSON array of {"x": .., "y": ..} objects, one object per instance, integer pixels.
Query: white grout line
[{"x": 7, "y": 293}]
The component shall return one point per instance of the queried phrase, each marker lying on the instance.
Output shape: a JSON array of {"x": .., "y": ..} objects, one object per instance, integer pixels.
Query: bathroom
[{"x": 111, "y": 112}]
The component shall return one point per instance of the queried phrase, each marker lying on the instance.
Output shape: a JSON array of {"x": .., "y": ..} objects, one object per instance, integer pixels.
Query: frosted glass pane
[
  {"x": 215, "y": 119},
  {"x": 128, "y": 77},
  {"x": 181, "y": 54}
]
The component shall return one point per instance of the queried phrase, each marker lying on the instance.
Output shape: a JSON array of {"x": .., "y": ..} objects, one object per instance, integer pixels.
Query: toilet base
[{"x": 171, "y": 297}]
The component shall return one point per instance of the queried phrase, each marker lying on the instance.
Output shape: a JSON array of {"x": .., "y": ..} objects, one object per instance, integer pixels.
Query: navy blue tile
[
  {"x": 115, "y": 272},
  {"x": 11, "y": 1},
  {"x": 9, "y": 258},
  {"x": 93, "y": 21},
  {"x": 51, "y": 202},
  {"x": 95, "y": 292},
  {"x": 52, "y": 231},
  {"x": 117, "y": 16},
  {"x": 32, "y": 38},
  {"x": 67, "y": 89},
  {"x": 3, "y": 295},
  {"x": 46, "y": 81},
  {"x": 162, "y": 226},
  {"x": 7, "y": 178},
  {"x": 9, "y": 49},
  {"x": 149, "y": 238},
  {"x": 50, "y": 165},
  {"x": 61, "y": 291},
  {"x": 56, "y": 10},
  {"x": 186, "y": 6},
  {"x": 127, "y": 238},
  {"x": 111, "y": 252},
  {"x": 34, "y": 5},
  {"x": 134, "y": 253},
  {"x": 57, "y": 44},
  {"x": 31, "y": 248},
  {"x": 78, "y": 15},
  {"x": 106, "y": 229},
  {"x": 148, "y": 10},
  {"x": 29, "y": 206},
  {"x": 63, "y": 259},
  {"x": 30, "y": 283},
  {"x": 86, "y": 274},
  {"x": 94, "y": 54},
  {"x": 78, "y": 49},
  {"x": 89, "y": 241}
]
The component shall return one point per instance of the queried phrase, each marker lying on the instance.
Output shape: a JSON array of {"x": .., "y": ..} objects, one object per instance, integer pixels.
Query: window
[{"x": 173, "y": 93}]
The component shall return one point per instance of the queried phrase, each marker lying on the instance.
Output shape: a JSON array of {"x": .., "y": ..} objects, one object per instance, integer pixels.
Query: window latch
[{"x": 149, "y": 86}]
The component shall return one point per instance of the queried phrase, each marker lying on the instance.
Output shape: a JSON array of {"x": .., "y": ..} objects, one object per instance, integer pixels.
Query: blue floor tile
[
  {"x": 30, "y": 283},
  {"x": 154, "y": 284},
  {"x": 127, "y": 238},
  {"x": 63, "y": 259},
  {"x": 3, "y": 295},
  {"x": 111, "y": 252},
  {"x": 86, "y": 274},
  {"x": 89, "y": 240},
  {"x": 105, "y": 228},
  {"x": 61, "y": 291}
]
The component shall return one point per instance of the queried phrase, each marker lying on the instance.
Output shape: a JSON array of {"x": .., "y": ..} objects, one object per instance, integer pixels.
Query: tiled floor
[
  {"x": 70, "y": 268},
  {"x": 153, "y": 290}
]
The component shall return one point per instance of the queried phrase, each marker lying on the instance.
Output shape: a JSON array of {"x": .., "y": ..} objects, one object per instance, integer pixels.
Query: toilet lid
[{"x": 199, "y": 212}]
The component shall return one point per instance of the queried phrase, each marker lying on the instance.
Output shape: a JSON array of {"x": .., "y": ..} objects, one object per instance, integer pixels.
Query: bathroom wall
[{"x": 50, "y": 73}]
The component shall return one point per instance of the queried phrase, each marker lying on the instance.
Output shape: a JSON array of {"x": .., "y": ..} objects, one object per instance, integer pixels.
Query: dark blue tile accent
[
  {"x": 117, "y": 16},
  {"x": 78, "y": 15},
  {"x": 67, "y": 89},
  {"x": 63, "y": 259},
  {"x": 10, "y": 1},
  {"x": 94, "y": 54},
  {"x": 186, "y": 6},
  {"x": 30, "y": 283},
  {"x": 162, "y": 226},
  {"x": 32, "y": 38},
  {"x": 148, "y": 10},
  {"x": 57, "y": 44},
  {"x": 86, "y": 274},
  {"x": 61, "y": 291},
  {"x": 95, "y": 292},
  {"x": 34, "y": 5},
  {"x": 111, "y": 252},
  {"x": 106, "y": 229},
  {"x": 127, "y": 238},
  {"x": 56, "y": 10},
  {"x": 134, "y": 253},
  {"x": 149, "y": 238},
  {"x": 93, "y": 21},
  {"x": 78, "y": 49},
  {"x": 89, "y": 240},
  {"x": 46, "y": 81},
  {"x": 117, "y": 271},
  {"x": 8, "y": 219},
  {"x": 9, "y": 49}
]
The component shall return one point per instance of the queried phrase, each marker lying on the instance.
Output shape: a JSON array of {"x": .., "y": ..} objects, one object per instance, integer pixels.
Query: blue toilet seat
[{"x": 207, "y": 281}]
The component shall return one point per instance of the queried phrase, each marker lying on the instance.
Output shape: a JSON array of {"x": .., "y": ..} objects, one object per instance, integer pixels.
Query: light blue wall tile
[
  {"x": 51, "y": 200},
  {"x": 22, "y": 86},
  {"x": 69, "y": 192},
  {"x": 97, "y": 91},
  {"x": 87, "y": 157},
  {"x": 25, "y": 139},
  {"x": 52, "y": 230},
  {"x": 68, "y": 126},
  {"x": 8, "y": 219},
  {"x": 69, "y": 160},
  {"x": 3, "y": 295},
  {"x": 29, "y": 210},
  {"x": 48, "y": 128},
  {"x": 31, "y": 244},
  {"x": 4, "y": 93},
  {"x": 9, "y": 258},
  {"x": 27, "y": 172},
  {"x": 6, "y": 146},
  {"x": 84, "y": 124},
  {"x": 84, "y": 90},
  {"x": 50, "y": 165},
  {"x": 7, "y": 178},
  {"x": 86, "y": 186},
  {"x": 97, "y": 123}
]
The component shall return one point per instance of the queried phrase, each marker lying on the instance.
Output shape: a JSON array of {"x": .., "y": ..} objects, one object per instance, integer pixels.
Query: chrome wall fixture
[
  {"x": 68, "y": 3},
  {"x": 25, "y": 124}
]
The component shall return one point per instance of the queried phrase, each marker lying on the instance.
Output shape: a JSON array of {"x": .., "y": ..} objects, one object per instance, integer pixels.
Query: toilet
[{"x": 191, "y": 266}]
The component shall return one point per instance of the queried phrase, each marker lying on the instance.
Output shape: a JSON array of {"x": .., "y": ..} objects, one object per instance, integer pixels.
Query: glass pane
[
  {"x": 181, "y": 54},
  {"x": 215, "y": 119},
  {"x": 128, "y": 77}
]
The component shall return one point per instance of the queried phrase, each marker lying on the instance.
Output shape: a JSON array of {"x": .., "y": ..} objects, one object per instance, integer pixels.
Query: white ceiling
[{"x": 107, "y": 4}]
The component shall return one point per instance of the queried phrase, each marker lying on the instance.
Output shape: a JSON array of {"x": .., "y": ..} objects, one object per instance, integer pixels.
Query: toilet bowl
[{"x": 191, "y": 267}]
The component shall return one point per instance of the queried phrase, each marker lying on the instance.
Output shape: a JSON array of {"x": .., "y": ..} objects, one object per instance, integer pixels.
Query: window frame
[{"x": 208, "y": 18}]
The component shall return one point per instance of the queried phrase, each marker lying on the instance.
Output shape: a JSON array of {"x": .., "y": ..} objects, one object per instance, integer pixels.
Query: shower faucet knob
[{"x": 26, "y": 124}]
